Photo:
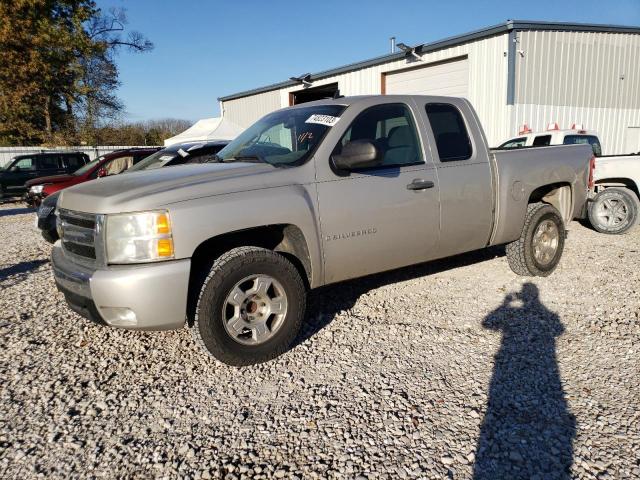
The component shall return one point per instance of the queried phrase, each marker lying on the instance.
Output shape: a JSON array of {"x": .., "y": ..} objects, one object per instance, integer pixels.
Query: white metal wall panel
[
  {"x": 487, "y": 85},
  {"x": 632, "y": 140},
  {"x": 449, "y": 78},
  {"x": 584, "y": 69},
  {"x": 246, "y": 110},
  {"x": 610, "y": 123}
]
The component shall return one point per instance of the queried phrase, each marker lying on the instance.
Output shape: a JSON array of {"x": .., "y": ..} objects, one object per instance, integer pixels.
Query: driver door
[
  {"x": 382, "y": 217},
  {"x": 15, "y": 178}
]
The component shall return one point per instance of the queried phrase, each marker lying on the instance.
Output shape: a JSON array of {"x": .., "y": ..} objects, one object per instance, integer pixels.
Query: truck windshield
[{"x": 287, "y": 137}]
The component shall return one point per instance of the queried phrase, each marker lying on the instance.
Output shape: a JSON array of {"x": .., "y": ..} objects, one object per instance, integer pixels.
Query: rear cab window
[
  {"x": 584, "y": 139},
  {"x": 450, "y": 132}
]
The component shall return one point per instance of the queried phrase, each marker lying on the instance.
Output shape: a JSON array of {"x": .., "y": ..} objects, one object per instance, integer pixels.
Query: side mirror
[
  {"x": 357, "y": 154},
  {"x": 15, "y": 168},
  {"x": 102, "y": 172}
]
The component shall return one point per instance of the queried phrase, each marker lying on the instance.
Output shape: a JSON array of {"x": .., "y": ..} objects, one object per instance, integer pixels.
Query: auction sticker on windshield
[{"x": 326, "y": 120}]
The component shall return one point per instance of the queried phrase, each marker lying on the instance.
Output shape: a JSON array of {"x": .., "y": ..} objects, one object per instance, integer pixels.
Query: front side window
[
  {"x": 390, "y": 127},
  {"x": 25, "y": 164},
  {"x": 450, "y": 132},
  {"x": 284, "y": 138},
  {"x": 513, "y": 143},
  {"x": 583, "y": 139},
  {"x": 542, "y": 141}
]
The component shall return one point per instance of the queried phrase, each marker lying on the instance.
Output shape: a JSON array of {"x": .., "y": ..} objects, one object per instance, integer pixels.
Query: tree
[{"x": 58, "y": 75}]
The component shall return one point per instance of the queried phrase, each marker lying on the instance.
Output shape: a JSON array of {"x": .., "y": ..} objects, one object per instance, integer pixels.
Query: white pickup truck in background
[{"x": 614, "y": 203}]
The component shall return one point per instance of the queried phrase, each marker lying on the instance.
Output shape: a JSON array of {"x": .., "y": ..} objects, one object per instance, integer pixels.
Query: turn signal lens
[
  {"x": 165, "y": 247},
  {"x": 162, "y": 224}
]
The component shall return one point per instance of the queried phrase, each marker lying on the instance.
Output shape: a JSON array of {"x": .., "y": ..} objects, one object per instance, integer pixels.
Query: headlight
[
  {"x": 36, "y": 189},
  {"x": 139, "y": 237}
]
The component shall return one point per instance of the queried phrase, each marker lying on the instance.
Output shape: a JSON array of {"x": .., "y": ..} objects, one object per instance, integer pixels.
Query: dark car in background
[
  {"x": 180, "y": 154},
  {"x": 24, "y": 168},
  {"x": 112, "y": 163}
]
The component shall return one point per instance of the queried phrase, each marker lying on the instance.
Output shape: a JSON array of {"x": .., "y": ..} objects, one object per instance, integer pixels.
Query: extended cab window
[
  {"x": 590, "y": 139},
  {"x": 391, "y": 129},
  {"x": 450, "y": 132},
  {"x": 542, "y": 141}
]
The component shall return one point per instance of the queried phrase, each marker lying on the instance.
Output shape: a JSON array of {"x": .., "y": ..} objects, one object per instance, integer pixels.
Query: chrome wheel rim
[
  {"x": 254, "y": 309},
  {"x": 545, "y": 242},
  {"x": 612, "y": 212}
]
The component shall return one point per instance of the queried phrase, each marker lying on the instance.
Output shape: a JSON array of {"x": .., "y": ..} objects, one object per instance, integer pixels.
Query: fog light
[{"x": 119, "y": 316}]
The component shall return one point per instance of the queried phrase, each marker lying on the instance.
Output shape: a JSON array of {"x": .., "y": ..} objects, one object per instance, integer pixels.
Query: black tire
[
  {"x": 229, "y": 269},
  {"x": 520, "y": 253},
  {"x": 50, "y": 236},
  {"x": 625, "y": 200}
]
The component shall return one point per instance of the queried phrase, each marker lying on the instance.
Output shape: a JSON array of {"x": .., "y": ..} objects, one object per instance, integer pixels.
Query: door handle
[{"x": 419, "y": 184}]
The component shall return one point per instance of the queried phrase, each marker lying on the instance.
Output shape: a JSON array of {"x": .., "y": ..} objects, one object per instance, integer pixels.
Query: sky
[{"x": 205, "y": 49}]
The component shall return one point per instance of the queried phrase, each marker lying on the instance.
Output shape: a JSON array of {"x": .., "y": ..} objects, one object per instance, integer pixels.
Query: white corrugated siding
[
  {"x": 579, "y": 77},
  {"x": 449, "y": 78},
  {"x": 583, "y": 69},
  {"x": 246, "y": 110},
  {"x": 487, "y": 85}
]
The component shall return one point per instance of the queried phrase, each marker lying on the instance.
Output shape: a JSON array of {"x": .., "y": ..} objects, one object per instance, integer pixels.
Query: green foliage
[
  {"x": 58, "y": 76},
  {"x": 152, "y": 132}
]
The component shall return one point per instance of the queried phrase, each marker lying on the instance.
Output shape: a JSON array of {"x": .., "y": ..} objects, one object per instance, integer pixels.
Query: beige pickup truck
[{"x": 309, "y": 195}]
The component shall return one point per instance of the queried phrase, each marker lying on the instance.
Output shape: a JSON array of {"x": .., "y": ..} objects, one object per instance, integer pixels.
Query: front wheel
[
  {"x": 538, "y": 250},
  {"x": 250, "y": 307},
  {"x": 613, "y": 211}
]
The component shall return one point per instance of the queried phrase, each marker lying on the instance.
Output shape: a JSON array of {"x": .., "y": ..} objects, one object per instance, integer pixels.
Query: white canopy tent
[{"x": 217, "y": 128}]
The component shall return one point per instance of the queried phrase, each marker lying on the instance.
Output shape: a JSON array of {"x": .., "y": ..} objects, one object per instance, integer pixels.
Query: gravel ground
[{"x": 455, "y": 369}]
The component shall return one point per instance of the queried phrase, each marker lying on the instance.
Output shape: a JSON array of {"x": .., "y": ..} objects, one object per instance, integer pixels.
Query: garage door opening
[{"x": 313, "y": 93}]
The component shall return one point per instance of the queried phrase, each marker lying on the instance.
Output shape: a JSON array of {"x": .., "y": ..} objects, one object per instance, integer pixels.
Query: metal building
[{"x": 513, "y": 73}]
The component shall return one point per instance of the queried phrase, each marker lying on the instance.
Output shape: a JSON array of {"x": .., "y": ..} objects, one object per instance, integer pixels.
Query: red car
[{"x": 110, "y": 164}]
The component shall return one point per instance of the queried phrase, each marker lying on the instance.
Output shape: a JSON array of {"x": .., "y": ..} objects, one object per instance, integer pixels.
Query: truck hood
[
  {"x": 143, "y": 190},
  {"x": 50, "y": 179}
]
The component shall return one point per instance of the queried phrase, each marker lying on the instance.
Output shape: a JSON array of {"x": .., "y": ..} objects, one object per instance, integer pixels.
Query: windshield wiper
[{"x": 245, "y": 158}]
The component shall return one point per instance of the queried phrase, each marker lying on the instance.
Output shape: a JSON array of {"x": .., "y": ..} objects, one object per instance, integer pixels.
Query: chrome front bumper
[{"x": 136, "y": 297}]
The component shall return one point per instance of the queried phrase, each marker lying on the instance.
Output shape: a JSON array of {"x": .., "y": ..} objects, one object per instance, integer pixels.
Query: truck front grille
[{"x": 78, "y": 234}]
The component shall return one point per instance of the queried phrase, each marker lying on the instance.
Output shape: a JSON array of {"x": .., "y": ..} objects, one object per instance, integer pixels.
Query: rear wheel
[
  {"x": 538, "y": 250},
  {"x": 250, "y": 307},
  {"x": 613, "y": 211}
]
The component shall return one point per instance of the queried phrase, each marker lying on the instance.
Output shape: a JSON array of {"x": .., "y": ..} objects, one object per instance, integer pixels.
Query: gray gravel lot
[{"x": 455, "y": 369}]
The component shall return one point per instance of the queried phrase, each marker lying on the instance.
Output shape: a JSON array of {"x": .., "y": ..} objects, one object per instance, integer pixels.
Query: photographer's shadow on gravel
[
  {"x": 528, "y": 429},
  {"x": 14, "y": 274},
  {"x": 15, "y": 211}
]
